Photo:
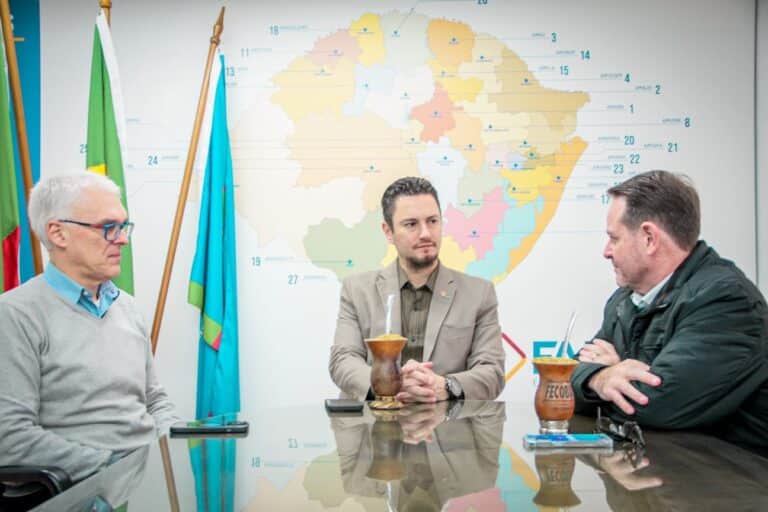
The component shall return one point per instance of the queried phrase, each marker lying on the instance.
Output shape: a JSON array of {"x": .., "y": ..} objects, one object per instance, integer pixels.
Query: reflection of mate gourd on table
[{"x": 461, "y": 459}]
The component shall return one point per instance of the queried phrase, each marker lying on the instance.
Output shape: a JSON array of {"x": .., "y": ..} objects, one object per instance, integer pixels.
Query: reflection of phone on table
[
  {"x": 567, "y": 442},
  {"x": 201, "y": 429}
]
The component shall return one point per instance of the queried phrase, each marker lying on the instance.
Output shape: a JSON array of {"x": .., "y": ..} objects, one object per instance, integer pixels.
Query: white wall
[
  {"x": 761, "y": 142},
  {"x": 161, "y": 48}
]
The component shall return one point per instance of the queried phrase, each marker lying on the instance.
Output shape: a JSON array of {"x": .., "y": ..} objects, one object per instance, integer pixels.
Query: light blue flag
[{"x": 213, "y": 284}]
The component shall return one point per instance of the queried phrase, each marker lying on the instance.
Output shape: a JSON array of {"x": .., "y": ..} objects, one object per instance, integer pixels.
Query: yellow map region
[
  {"x": 305, "y": 88},
  {"x": 370, "y": 36},
  {"x": 458, "y": 89},
  {"x": 562, "y": 164},
  {"x": 451, "y": 42}
]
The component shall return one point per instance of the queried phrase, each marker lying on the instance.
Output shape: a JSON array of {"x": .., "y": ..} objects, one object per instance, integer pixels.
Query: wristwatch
[{"x": 453, "y": 388}]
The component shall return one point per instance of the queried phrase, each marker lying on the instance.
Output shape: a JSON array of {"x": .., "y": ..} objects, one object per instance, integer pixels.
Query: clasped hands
[
  {"x": 421, "y": 384},
  {"x": 614, "y": 383}
]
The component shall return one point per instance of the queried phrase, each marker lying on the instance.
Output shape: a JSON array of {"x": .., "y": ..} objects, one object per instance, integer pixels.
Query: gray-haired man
[{"x": 77, "y": 381}]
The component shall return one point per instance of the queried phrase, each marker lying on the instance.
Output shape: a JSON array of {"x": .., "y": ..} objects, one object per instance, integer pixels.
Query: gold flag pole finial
[
  {"x": 107, "y": 6},
  {"x": 21, "y": 123},
  {"x": 218, "y": 27}
]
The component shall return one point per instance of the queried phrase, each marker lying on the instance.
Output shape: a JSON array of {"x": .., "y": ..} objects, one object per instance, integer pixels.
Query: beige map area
[
  {"x": 365, "y": 147},
  {"x": 306, "y": 88},
  {"x": 466, "y": 136},
  {"x": 558, "y": 108}
]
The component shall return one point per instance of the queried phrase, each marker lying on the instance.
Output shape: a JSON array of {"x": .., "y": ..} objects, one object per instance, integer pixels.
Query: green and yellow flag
[
  {"x": 106, "y": 128},
  {"x": 9, "y": 206}
]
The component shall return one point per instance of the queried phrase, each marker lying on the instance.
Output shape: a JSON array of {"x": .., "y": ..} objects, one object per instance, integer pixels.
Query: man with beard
[{"x": 453, "y": 349}]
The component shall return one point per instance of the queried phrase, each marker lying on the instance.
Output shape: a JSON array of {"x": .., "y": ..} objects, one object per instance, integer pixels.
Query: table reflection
[
  {"x": 699, "y": 471},
  {"x": 109, "y": 489},
  {"x": 448, "y": 456},
  {"x": 423, "y": 456},
  {"x": 681, "y": 470},
  {"x": 555, "y": 471},
  {"x": 213, "y": 466}
]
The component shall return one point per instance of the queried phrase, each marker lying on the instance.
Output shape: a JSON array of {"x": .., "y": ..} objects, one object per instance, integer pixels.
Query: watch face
[{"x": 454, "y": 388}]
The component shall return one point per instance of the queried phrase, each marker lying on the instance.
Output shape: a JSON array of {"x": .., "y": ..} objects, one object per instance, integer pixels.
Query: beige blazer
[{"x": 462, "y": 337}]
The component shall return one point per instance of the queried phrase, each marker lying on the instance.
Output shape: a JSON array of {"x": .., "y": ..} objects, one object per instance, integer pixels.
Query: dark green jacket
[{"x": 706, "y": 336}]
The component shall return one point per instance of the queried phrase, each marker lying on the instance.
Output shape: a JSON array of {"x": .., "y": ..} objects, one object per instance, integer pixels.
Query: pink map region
[
  {"x": 436, "y": 116},
  {"x": 478, "y": 230}
]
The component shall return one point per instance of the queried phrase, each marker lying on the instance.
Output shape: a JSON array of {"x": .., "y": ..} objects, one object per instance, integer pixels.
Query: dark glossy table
[{"x": 467, "y": 457}]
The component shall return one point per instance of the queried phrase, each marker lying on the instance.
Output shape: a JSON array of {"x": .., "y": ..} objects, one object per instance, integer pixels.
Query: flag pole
[
  {"x": 165, "y": 453},
  {"x": 106, "y": 6},
  {"x": 21, "y": 124},
  {"x": 218, "y": 27}
]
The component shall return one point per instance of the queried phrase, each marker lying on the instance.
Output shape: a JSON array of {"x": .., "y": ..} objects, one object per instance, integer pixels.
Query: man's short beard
[{"x": 419, "y": 264}]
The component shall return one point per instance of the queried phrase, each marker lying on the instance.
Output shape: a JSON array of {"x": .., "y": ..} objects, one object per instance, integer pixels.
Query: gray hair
[
  {"x": 56, "y": 196},
  {"x": 668, "y": 199},
  {"x": 408, "y": 186}
]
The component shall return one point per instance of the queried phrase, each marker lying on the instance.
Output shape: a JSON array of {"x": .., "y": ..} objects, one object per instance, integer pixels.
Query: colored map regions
[
  {"x": 452, "y": 44},
  {"x": 324, "y": 243},
  {"x": 477, "y": 231},
  {"x": 552, "y": 113},
  {"x": 402, "y": 94},
  {"x": 436, "y": 116},
  {"x": 516, "y": 481},
  {"x": 370, "y": 36}
]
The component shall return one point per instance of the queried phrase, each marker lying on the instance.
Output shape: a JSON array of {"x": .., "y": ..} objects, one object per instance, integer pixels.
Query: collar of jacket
[{"x": 701, "y": 253}]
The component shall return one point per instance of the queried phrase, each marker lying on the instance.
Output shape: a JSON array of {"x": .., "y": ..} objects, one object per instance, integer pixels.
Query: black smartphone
[
  {"x": 343, "y": 405},
  {"x": 200, "y": 429}
]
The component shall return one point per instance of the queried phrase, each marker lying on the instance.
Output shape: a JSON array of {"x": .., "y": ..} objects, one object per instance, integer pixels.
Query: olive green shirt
[{"x": 414, "y": 312}]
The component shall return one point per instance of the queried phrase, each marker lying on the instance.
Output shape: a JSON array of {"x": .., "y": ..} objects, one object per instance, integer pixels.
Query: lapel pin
[{"x": 443, "y": 293}]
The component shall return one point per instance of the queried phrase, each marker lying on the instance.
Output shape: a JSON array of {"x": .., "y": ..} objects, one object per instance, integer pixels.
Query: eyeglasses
[
  {"x": 628, "y": 431},
  {"x": 112, "y": 230}
]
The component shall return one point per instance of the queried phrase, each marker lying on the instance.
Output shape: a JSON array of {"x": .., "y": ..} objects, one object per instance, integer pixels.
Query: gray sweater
[{"x": 75, "y": 390}]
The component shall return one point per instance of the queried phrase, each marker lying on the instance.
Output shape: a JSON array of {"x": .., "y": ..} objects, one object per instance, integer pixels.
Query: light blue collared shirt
[
  {"x": 643, "y": 301},
  {"x": 79, "y": 296}
]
